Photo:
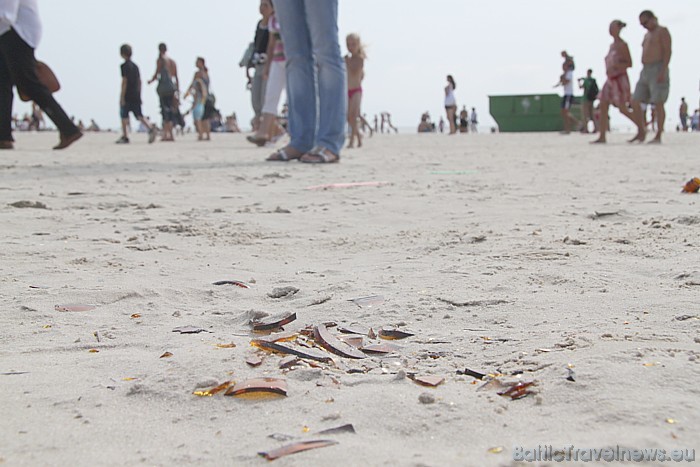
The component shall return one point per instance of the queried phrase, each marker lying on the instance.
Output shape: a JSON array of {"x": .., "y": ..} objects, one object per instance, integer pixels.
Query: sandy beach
[{"x": 529, "y": 257}]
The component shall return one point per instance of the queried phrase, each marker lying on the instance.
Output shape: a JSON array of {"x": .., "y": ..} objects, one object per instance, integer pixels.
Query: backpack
[{"x": 593, "y": 90}]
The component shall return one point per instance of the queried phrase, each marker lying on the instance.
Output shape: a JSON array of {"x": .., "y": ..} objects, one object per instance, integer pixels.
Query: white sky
[{"x": 491, "y": 48}]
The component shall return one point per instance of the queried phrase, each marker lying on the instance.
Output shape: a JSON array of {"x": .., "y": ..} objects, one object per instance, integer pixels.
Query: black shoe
[{"x": 123, "y": 140}]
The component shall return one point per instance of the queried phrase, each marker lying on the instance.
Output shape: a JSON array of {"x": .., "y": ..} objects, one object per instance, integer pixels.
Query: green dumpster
[{"x": 530, "y": 112}]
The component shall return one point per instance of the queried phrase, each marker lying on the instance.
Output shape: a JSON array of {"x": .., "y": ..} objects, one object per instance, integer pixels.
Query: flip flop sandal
[
  {"x": 282, "y": 156},
  {"x": 320, "y": 155}
]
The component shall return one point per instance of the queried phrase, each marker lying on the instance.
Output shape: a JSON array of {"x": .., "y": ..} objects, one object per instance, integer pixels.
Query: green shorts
[{"x": 648, "y": 89}]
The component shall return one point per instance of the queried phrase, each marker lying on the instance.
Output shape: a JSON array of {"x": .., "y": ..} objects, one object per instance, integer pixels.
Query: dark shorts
[
  {"x": 130, "y": 107},
  {"x": 566, "y": 102}
]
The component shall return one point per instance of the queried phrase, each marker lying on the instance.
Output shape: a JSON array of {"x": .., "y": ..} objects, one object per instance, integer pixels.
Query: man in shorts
[
  {"x": 130, "y": 97},
  {"x": 654, "y": 83}
]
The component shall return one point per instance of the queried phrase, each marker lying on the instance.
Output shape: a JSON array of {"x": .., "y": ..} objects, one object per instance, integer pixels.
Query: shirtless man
[
  {"x": 168, "y": 89},
  {"x": 653, "y": 84}
]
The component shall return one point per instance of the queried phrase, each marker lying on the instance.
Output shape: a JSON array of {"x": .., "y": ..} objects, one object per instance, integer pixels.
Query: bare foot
[
  {"x": 656, "y": 140},
  {"x": 599, "y": 141},
  {"x": 639, "y": 137}
]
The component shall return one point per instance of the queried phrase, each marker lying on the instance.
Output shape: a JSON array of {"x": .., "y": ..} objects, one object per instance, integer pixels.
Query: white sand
[{"x": 154, "y": 226}]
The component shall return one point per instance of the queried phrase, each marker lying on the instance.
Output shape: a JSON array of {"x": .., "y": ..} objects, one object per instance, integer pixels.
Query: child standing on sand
[{"x": 355, "y": 64}]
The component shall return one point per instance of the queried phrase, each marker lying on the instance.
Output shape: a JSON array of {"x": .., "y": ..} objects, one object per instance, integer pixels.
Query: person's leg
[
  {"x": 353, "y": 118},
  {"x": 6, "y": 97},
  {"x": 19, "y": 57},
  {"x": 257, "y": 95},
  {"x": 276, "y": 83},
  {"x": 322, "y": 20},
  {"x": 125, "y": 126},
  {"x": 660, "y": 120},
  {"x": 587, "y": 114},
  {"x": 301, "y": 87},
  {"x": 603, "y": 126}
]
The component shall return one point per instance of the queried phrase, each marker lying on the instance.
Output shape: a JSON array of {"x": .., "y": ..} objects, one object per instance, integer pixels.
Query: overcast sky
[{"x": 491, "y": 48}]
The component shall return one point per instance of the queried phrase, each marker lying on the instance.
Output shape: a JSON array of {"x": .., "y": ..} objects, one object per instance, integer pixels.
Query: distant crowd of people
[
  {"x": 296, "y": 50},
  {"x": 651, "y": 91}
]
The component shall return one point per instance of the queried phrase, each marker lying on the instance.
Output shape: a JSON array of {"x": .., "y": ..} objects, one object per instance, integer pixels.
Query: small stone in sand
[
  {"x": 426, "y": 398},
  {"x": 283, "y": 292}
]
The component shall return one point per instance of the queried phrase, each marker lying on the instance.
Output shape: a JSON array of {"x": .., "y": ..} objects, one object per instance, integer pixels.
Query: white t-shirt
[
  {"x": 450, "y": 97},
  {"x": 23, "y": 17},
  {"x": 569, "y": 87}
]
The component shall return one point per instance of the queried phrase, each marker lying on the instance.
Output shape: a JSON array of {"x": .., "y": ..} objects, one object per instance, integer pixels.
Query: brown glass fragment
[
  {"x": 310, "y": 354},
  {"x": 289, "y": 362},
  {"x": 264, "y": 385},
  {"x": 240, "y": 284},
  {"x": 215, "y": 390},
  {"x": 518, "y": 391},
  {"x": 353, "y": 339},
  {"x": 347, "y": 428},
  {"x": 166, "y": 355},
  {"x": 472, "y": 373},
  {"x": 189, "y": 330},
  {"x": 431, "y": 381},
  {"x": 331, "y": 343},
  {"x": 279, "y": 337},
  {"x": 274, "y": 323},
  {"x": 355, "y": 328},
  {"x": 383, "y": 348},
  {"x": 253, "y": 360},
  {"x": 393, "y": 334},
  {"x": 296, "y": 447}
]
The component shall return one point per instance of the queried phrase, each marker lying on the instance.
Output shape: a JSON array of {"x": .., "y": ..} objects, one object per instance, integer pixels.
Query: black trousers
[{"x": 18, "y": 68}]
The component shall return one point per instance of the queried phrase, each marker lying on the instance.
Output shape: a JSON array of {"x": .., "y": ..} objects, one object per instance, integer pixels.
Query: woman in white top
[{"x": 451, "y": 103}]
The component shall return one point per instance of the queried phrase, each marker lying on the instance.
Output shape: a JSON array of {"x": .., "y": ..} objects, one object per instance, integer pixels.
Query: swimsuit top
[{"x": 611, "y": 61}]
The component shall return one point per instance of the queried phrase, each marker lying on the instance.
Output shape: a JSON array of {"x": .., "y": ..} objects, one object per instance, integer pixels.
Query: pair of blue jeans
[{"x": 316, "y": 80}]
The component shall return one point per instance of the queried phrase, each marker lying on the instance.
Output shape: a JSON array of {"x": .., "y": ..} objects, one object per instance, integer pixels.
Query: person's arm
[
  {"x": 177, "y": 80},
  {"x": 157, "y": 72},
  {"x": 665, "y": 39},
  {"x": 8, "y": 12},
  {"x": 625, "y": 58},
  {"x": 122, "y": 96},
  {"x": 190, "y": 87}
]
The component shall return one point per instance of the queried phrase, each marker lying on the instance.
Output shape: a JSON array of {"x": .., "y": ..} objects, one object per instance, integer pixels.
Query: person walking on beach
[
  {"x": 355, "y": 65},
  {"x": 130, "y": 97},
  {"x": 199, "y": 89},
  {"x": 567, "y": 81},
  {"x": 386, "y": 119},
  {"x": 616, "y": 90},
  {"x": 257, "y": 62},
  {"x": 654, "y": 81},
  {"x": 167, "y": 89},
  {"x": 451, "y": 103},
  {"x": 20, "y": 33},
  {"x": 683, "y": 113},
  {"x": 463, "y": 120},
  {"x": 316, "y": 84},
  {"x": 590, "y": 94},
  {"x": 275, "y": 78},
  {"x": 474, "y": 121}
]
